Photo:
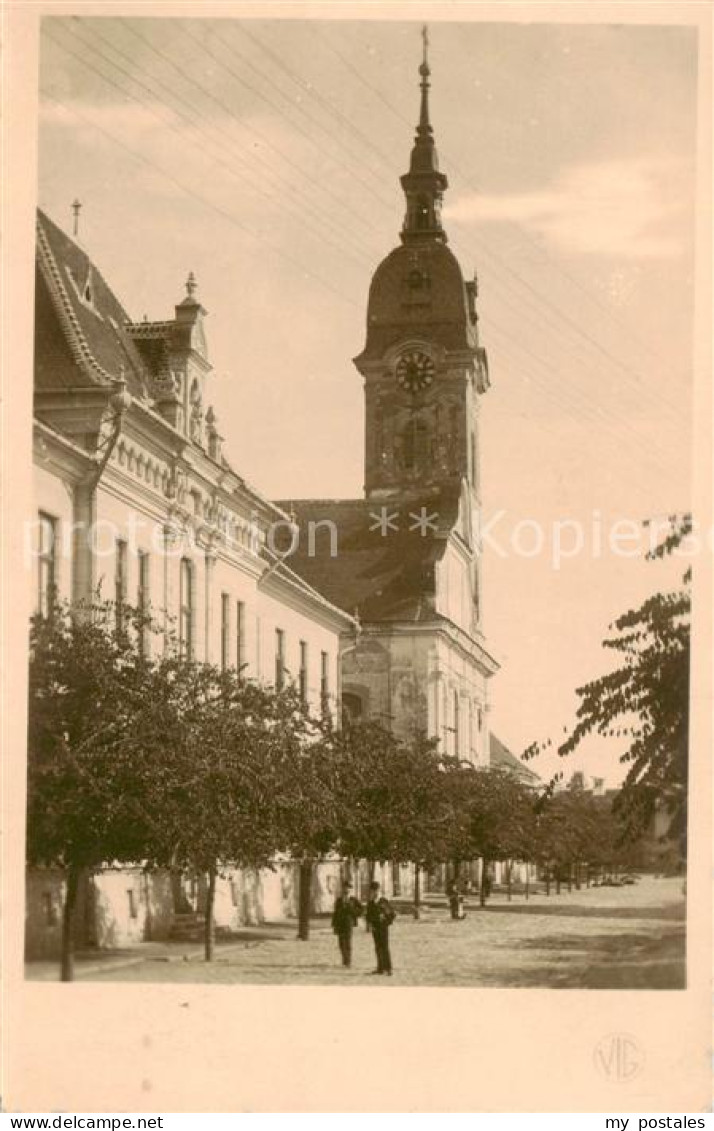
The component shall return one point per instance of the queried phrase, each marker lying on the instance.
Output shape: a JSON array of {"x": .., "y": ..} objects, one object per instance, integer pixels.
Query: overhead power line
[
  {"x": 260, "y": 238},
  {"x": 243, "y": 169}
]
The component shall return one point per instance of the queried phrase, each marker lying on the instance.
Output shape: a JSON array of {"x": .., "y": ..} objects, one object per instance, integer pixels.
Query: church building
[
  {"x": 375, "y": 608},
  {"x": 404, "y": 559}
]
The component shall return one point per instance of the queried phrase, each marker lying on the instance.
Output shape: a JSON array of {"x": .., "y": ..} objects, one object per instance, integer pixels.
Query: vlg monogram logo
[{"x": 619, "y": 1057}]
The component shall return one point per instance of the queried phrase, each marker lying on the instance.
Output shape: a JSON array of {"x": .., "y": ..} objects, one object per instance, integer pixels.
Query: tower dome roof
[{"x": 420, "y": 290}]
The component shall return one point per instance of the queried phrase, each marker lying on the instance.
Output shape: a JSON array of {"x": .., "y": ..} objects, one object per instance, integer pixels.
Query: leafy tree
[
  {"x": 491, "y": 816},
  {"x": 306, "y": 793},
  {"x": 215, "y": 747},
  {"x": 646, "y": 699},
  {"x": 88, "y": 680},
  {"x": 391, "y": 804}
]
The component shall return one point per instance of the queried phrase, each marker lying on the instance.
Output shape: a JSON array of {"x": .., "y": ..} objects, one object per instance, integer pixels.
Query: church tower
[
  {"x": 406, "y": 557},
  {"x": 422, "y": 364}
]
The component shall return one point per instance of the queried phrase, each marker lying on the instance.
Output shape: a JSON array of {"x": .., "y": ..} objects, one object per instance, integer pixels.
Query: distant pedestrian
[
  {"x": 456, "y": 900},
  {"x": 380, "y": 916},
  {"x": 346, "y": 912}
]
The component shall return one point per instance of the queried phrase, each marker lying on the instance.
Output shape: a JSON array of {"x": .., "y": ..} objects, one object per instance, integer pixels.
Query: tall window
[
  {"x": 142, "y": 593},
  {"x": 325, "y": 681},
  {"x": 46, "y": 564},
  {"x": 143, "y": 596},
  {"x": 415, "y": 440},
  {"x": 303, "y": 671},
  {"x": 240, "y": 635},
  {"x": 470, "y": 752},
  {"x": 120, "y": 581},
  {"x": 225, "y": 630},
  {"x": 279, "y": 659},
  {"x": 456, "y": 724},
  {"x": 186, "y": 600}
]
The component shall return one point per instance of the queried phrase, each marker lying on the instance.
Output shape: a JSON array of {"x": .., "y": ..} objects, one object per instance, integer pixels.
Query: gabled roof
[
  {"x": 80, "y": 325},
  {"x": 382, "y": 576},
  {"x": 502, "y": 759},
  {"x": 84, "y": 338}
]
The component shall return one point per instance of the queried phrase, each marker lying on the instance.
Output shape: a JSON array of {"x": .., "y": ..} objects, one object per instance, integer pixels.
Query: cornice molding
[{"x": 471, "y": 648}]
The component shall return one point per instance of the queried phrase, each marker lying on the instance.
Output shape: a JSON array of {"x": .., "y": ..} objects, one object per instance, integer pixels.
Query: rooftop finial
[
  {"x": 424, "y": 185},
  {"x": 424, "y": 129},
  {"x": 191, "y": 284},
  {"x": 76, "y": 208}
]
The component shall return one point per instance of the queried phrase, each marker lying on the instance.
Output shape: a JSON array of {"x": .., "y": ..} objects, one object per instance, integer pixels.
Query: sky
[{"x": 264, "y": 156}]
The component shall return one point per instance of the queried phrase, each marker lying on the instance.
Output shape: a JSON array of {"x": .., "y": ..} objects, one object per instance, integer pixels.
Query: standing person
[
  {"x": 345, "y": 914},
  {"x": 456, "y": 900},
  {"x": 380, "y": 916}
]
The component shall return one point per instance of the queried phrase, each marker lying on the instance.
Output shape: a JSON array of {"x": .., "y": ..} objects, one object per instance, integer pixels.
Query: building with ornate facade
[{"x": 136, "y": 501}]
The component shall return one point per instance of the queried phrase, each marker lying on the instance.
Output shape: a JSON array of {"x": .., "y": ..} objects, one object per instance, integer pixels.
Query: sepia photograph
[{"x": 362, "y": 541}]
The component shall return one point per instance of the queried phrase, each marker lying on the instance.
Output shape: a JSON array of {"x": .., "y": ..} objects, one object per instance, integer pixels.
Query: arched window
[
  {"x": 352, "y": 708},
  {"x": 196, "y": 412},
  {"x": 422, "y": 212},
  {"x": 415, "y": 440}
]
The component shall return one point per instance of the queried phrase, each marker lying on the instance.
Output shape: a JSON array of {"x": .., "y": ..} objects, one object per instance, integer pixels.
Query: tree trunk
[
  {"x": 209, "y": 931},
  {"x": 547, "y": 881},
  {"x": 509, "y": 879},
  {"x": 417, "y": 891},
  {"x": 557, "y": 882},
  {"x": 304, "y": 892},
  {"x": 528, "y": 880},
  {"x": 70, "y": 902},
  {"x": 570, "y": 877},
  {"x": 484, "y": 882}
]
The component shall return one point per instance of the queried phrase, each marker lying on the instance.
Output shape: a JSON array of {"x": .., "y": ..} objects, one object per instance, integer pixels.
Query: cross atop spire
[{"x": 424, "y": 185}]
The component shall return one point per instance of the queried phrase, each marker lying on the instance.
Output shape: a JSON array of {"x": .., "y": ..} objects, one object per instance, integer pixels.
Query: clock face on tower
[{"x": 415, "y": 371}]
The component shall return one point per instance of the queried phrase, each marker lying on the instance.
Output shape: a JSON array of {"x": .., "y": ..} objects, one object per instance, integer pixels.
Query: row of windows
[{"x": 233, "y": 612}]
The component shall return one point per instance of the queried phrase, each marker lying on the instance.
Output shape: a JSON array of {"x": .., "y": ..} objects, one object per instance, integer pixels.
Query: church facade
[{"x": 405, "y": 558}]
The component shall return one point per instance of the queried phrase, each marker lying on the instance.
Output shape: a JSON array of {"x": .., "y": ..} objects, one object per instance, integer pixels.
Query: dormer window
[{"x": 84, "y": 291}]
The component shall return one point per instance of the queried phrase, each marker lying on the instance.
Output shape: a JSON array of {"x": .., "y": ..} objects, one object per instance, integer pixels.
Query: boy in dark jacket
[{"x": 380, "y": 916}]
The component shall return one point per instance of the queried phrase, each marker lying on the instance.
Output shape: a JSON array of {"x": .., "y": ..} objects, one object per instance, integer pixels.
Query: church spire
[
  {"x": 424, "y": 129},
  {"x": 424, "y": 185}
]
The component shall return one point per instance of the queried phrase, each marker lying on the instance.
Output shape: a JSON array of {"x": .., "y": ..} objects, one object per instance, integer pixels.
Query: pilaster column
[{"x": 84, "y": 513}]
